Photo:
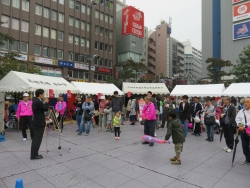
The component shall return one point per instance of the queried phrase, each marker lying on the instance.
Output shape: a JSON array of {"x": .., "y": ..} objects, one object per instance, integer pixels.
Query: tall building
[
  {"x": 55, "y": 35},
  {"x": 224, "y": 32},
  {"x": 193, "y": 62}
]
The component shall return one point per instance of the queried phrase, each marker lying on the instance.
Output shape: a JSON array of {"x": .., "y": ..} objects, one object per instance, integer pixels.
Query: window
[
  {"x": 71, "y": 21},
  {"x": 159, "y": 35},
  {"x": 88, "y": 26},
  {"x": 111, "y": 19},
  {"x": 96, "y": 62},
  {"x": 101, "y": 31},
  {"x": 60, "y": 54},
  {"x": 96, "y": 29},
  {"x": 15, "y": 46},
  {"x": 70, "y": 38},
  {"x": 5, "y": 45},
  {"x": 37, "y": 50},
  {"x": 60, "y": 35},
  {"x": 24, "y": 26},
  {"x": 78, "y": 4},
  {"x": 133, "y": 44},
  {"x": 83, "y": 8},
  {"x": 53, "y": 52},
  {"x": 77, "y": 40},
  {"x": 106, "y": 47},
  {"x": 53, "y": 34},
  {"x": 77, "y": 23},
  {"x": 54, "y": 0},
  {"x": 16, "y": 3},
  {"x": 6, "y": 21},
  {"x": 45, "y": 32},
  {"x": 61, "y": 17},
  {"x": 77, "y": 55},
  {"x": 6, "y": 2},
  {"x": 24, "y": 47},
  {"x": 45, "y": 51},
  {"x": 106, "y": 18},
  {"x": 82, "y": 41},
  {"x": 96, "y": 45},
  {"x": 111, "y": 49},
  {"x": 88, "y": 10},
  {"x": 61, "y": 2},
  {"x": 111, "y": 34},
  {"x": 101, "y": 15},
  {"x": 70, "y": 56},
  {"x": 53, "y": 15},
  {"x": 106, "y": 33},
  {"x": 96, "y": 14},
  {"x": 87, "y": 43},
  {"x": 102, "y": 2},
  {"x": 71, "y": 3},
  {"x": 38, "y": 9},
  {"x": 82, "y": 58},
  {"x": 15, "y": 24},
  {"x": 110, "y": 63},
  {"x": 101, "y": 46},
  {"x": 111, "y": 5},
  {"x": 25, "y": 5},
  {"x": 46, "y": 12},
  {"x": 83, "y": 25},
  {"x": 106, "y": 3},
  {"x": 100, "y": 62},
  {"x": 38, "y": 29},
  {"x": 100, "y": 77},
  {"x": 106, "y": 63}
]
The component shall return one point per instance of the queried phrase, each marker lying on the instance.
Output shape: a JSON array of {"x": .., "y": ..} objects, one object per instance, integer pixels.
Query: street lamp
[{"x": 89, "y": 59}]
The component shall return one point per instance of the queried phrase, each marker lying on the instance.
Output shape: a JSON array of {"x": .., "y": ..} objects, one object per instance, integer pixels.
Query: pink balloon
[{"x": 148, "y": 138}]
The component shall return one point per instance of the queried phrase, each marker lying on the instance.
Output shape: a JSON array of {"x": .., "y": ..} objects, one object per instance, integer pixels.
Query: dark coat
[
  {"x": 232, "y": 115},
  {"x": 186, "y": 112},
  {"x": 176, "y": 130},
  {"x": 79, "y": 110},
  {"x": 196, "y": 109},
  {"x": 38, "y": 110}
]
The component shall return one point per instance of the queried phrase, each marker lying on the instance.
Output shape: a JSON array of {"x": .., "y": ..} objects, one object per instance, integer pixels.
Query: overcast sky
[{"x": 185, "y": 14}]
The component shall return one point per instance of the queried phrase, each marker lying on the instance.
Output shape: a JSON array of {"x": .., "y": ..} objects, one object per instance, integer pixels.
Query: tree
[
  {"x": 242, "y": 69},
  {"x": 131, "y": 70},
  {"x": 111, "y": 80},
  {"x": 215, "y": 71}
]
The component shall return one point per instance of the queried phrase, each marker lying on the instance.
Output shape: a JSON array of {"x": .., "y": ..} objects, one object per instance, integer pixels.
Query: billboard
[
  {"x": 237, "y": 1},
  {"x": 241, "y": 30},
  {"x": 132, "y": 22},
  {"x": 241, "y": 11}
]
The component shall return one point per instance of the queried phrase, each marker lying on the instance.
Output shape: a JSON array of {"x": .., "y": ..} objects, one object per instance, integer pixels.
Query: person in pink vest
[
  {"x": 60, "y": 108},
  {"x": 149, "y": 117},
  {"x": 24, "y": 115}
]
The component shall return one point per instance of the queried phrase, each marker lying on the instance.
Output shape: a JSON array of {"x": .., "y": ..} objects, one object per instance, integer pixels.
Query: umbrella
[
  {"x": 221, "y": 133},
  {"x": 235, "y": 146}
]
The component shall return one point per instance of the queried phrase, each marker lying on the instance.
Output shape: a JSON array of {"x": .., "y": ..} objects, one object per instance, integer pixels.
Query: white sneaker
[
  {"x": 155, "y": 135},
  {"x": 24, "y": 138},
  {"x": 229, "y": 150},
  {"x": 225, "y": 148}
]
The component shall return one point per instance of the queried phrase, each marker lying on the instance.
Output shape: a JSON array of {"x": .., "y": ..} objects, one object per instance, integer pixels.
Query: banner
[
  {"x": 241, "y": 30},
  {"x": 241, "y": 11},
  {"x": 65, "y": 64},
  {"x": 43, "y": 60},
  {"x": 84, "y": 66},
  {"x": 51, "y": 93},
  {"x": 69, "y": 93}
]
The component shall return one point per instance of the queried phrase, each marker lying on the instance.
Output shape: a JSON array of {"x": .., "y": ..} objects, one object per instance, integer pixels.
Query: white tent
[
  {"x": 95, "y": 88},
  {"x": 143, "y": 88},
  {"x": 21, "y": 82},
  {"x": 238, "y": 90},
  {"x": 211, "y": 90}
]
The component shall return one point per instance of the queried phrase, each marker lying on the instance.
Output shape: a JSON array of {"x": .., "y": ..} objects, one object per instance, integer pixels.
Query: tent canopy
[
  {"x": 143, "y": 88},
  {"x": 238, "y": 90},
  {"x": 95, "y": 88},
  {"x": 211, "y": 90},
  {"x": 21, "y": 82}
]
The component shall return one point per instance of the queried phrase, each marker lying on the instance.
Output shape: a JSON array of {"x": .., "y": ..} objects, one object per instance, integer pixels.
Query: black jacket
[
  {"x": 116, "y": 104},
  {"x": 78, "y": 105},
  {"x": 38, "y": 109},
  {"x": 186, "y": 112},
  {"x": 232, "y": 115},
  {"x": 196, "y": 109}
]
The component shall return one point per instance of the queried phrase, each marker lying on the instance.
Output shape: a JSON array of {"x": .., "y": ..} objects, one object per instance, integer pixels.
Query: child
[
  {"x": 176, "y": 130},
  {"x": 117, "y": 124},
  {"x": 108, "y": 112}
]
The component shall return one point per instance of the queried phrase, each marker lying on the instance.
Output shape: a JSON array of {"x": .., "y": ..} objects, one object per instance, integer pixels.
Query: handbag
[
  {"x": 87, "y": 116},
  {"x": 96, "y": 113},
  {"x": 247, "y": 129},
  {"x": 209, "y": 120}
]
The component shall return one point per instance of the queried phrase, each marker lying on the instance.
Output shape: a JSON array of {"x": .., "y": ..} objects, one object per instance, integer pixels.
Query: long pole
[{"x": 90, "y": 39}]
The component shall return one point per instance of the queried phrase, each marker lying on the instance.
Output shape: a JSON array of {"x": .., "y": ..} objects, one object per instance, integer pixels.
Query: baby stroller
[{"x": 12, "y": 122}]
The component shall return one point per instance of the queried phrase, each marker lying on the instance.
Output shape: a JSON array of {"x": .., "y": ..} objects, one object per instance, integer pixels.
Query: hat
[
  {"x": 102, "y": 97},
  {"x": 26, "y": 95}
]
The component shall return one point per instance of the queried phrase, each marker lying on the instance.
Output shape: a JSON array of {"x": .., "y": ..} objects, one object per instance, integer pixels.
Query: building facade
[
  {"x": 57, "y": 36},
  {"x": 224, "y": 32}
]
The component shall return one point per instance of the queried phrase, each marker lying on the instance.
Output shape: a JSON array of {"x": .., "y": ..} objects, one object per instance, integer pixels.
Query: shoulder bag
[{"x": 209, "y": 120}]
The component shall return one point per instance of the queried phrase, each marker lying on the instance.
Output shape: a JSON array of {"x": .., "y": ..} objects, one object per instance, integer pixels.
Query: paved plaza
[{"x": 98, "y": 161}]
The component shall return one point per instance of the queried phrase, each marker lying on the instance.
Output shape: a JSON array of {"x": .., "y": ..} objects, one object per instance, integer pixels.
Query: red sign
[
  {"x": 241, "y": 11},
  {"x": 237, "y": 1},
  {"x": 132, "y": 22},
  {"x": 104, "y": 70},
  {"x": 51, "y": 93},
  {"x": 99, "y": 95},
  {"x": 69, "y": 93}
]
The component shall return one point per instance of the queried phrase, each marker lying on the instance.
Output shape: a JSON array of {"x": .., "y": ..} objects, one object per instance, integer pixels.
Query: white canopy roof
[
  {"x": 21, "y": 82},
  {"x": 238, "y": 90},
  {"x": 143, "y": 88},
  {"x": 211, "y": 90},
  {"x": 95, "y": 88}
]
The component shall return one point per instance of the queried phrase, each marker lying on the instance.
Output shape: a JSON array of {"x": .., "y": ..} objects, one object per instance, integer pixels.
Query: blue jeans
[
  {"x": 78, "y": 120},
  {"x": 185, "y": 126},
  {"x": 210, "y": 132},
  {"x": 82, "y": 126}
]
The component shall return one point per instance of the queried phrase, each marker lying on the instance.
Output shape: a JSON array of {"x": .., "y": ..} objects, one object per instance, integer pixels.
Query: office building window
[
  {"x": 111, "y": 34},
  {"x": 82, "y": 58},
  {"x": 101, "y": 30},
  {"x": 6, "y": 21},
  {"x": 110, "y": 63},
  {"x": 53, "y": 15},
  {"x": 100, "y": 62},
  {"x": 45, "y": 32},
  {"x": 82, "y": 41},
  {"x": 106, "y": 63},
  {"x": 96, "y": 45},
  {"x": 38, "y": 29},
  {"x": 83, "y": 25},
  {"x": 111, "y": 5},
  {"x": 106, "y": 3},
  {"x": 110, "y": 49},
  {"x": 46, "y": 12},
  {"x": 70, "y": 56},
  {"x": 97, "y": 14},
  {"x": 106, "y": 18},
  {"x": 54, "y": 0},
  {"x": 88, "y": 26},
  {"x": 77, "y": 55},
  {"x": 87, "y": 43},
  {"x": 71, "y": 21},
  {"x": 78, "y": 4},
  {"x": 5, "y": 45},
  {"x": 101, "y": 15},
  {"x": 102, "y": 2},
  {"x": 60, "y": 35},
  {"x": 106, "y": 33},
  {"x": 77, "y": 40},
  {"x": 106, "y": 47},
  {"x": 61, "y": 2},
  {"x": 6, "y": 2},
  {"x": 16, "y": 3},
  {"x": 70, "y": 38},
  {"x": 45, "y": 51},
  {"x": 15, "y": 46},
  {"x": 53, "y": 52},
  {"x": 83, "y": 8},
  {"x": 24, "y": 26},
  {"x": 101, "y": 46},
  {"x": 61, "y": 17},
  {"x": 111, "y": 19},
  {"x": 133, "y": 44},
  {"x": 71, "y": 3},
  {"x": 60, "y": 54},
  {"x": 53, "y": 34},
  {"x": 15, "y": 24},
  {"x": 96, "y": 62},
  {"x": 24, "y": 47},
  {"x": 88, "y": 10},
  {"x": 77, "y": 23},
  {"x": 25, "y": 5},
  {"x": 37, "y": 50},
  {"x": 96, "y": 29},
  {"x": 38, "y": 10}
]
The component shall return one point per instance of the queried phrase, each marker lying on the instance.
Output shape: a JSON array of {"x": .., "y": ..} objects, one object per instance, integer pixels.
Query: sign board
[
  {"x": 237, "y": 1},
  {"x": 241, "y": 30},
  {"x": 241, "y": 11},
  {"x": 21, "y": 57},
  {"x": 65, "y": 64},
  {"x": 43, "y": 60},
  {"x": 132, "y": 22},
  {"x": 104, "y": 70},
  {"x": 52, "y": 116},
  {"x": 84, "y": 66}
]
